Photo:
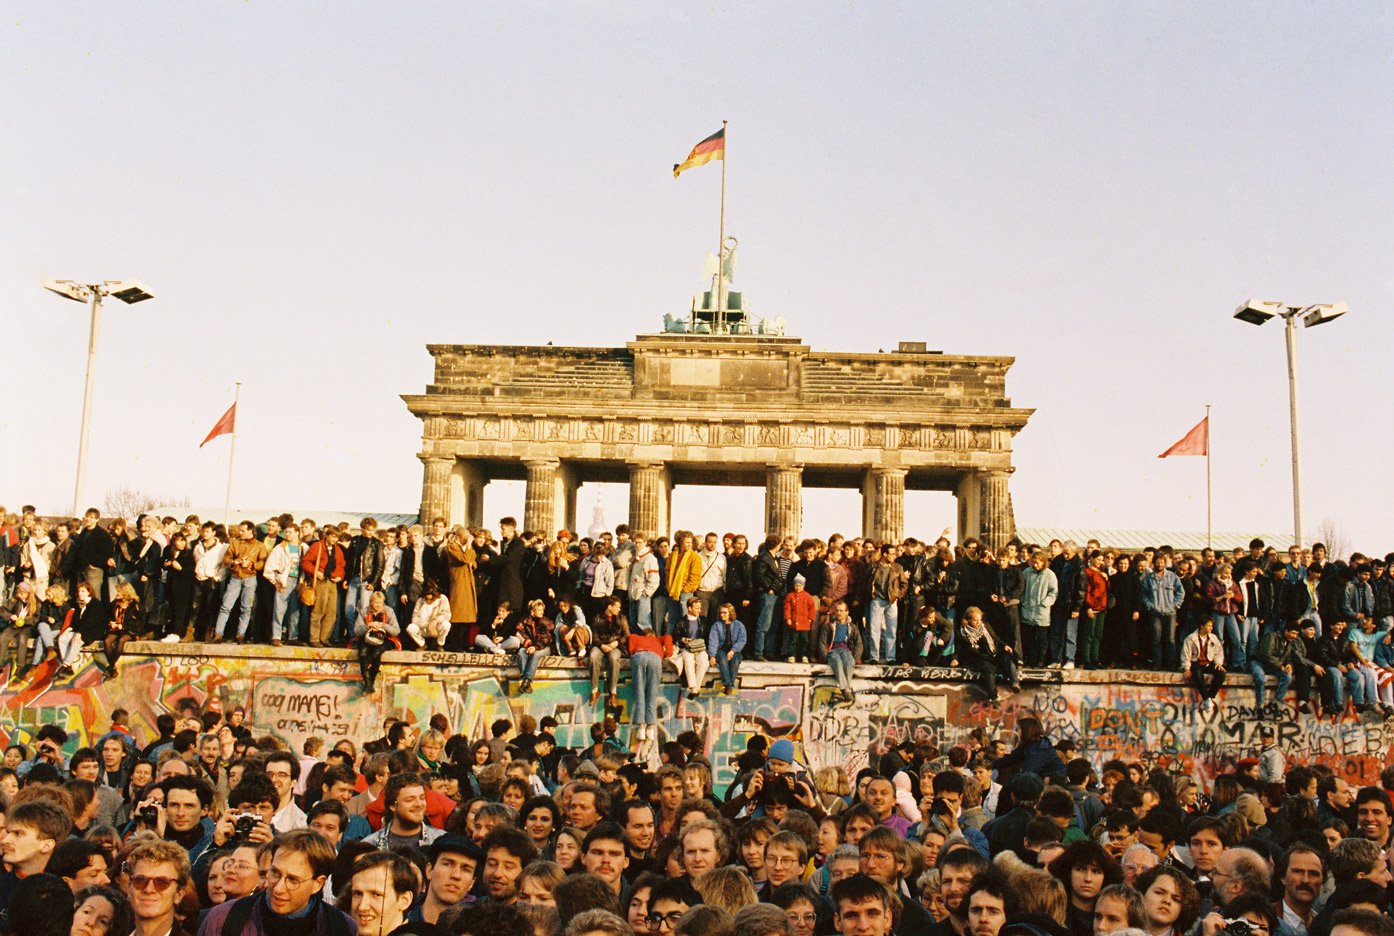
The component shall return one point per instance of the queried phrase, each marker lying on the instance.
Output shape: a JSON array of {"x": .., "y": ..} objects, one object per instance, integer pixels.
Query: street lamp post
[
  {"x": 129, "y": 292},
  {"x": 1256, "y": 312}
]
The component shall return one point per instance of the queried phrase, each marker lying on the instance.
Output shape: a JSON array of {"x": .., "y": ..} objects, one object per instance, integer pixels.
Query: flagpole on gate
[
  {"x": 232, "y": 453},
  {"x": 721, "y": 238},
  {"x": 1207, "y": 479}
]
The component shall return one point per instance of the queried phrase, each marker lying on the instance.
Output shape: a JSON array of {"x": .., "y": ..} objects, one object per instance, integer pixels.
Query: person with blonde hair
[
  {"x": 726, "y": 887},
  {"x": 56, "y": 634},
  {"x": 18, "y": 616},
  {"x": 127, "y": 622}
]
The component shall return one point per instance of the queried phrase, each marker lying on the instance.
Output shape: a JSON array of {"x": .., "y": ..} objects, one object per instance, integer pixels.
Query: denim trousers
[
  {"x": 528, "y": 663},
  {"x": 1064, "y": 637},
  {"x": 610, "y": 663},
  {"x": 1163, "y": 627},
  {"x": 640, "y": 614},
  {"x": 764, "y": 643},
  {"x": 841, "y": 663},
  {"x": 285, "y": 614},
  {"x": 730, "y": 670},
  {"x": 237, "y": 588},
  {"x": 646, "y": 672},
  {"x": 1259, "y": 673},
  {"x": 882, "y": 617}
]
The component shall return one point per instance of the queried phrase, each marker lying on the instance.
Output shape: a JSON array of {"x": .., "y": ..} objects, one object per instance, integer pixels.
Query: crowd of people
[
  {"x": 1319, "y": 627},
  {"x": 210, "y": 830}
]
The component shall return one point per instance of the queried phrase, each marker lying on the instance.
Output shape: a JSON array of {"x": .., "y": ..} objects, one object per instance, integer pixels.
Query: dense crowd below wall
[
  {"x": 1318, "y": 627},
  {"x": 204, "y": 827}
]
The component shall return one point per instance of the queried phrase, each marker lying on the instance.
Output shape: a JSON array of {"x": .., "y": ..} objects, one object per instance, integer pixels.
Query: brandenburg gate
[{"x": 736, "y": 409}]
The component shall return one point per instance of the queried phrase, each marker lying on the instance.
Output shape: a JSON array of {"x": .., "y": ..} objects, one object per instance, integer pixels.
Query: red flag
[
  {"x": 223, "y": 426},
  {"x": 1195, "y": 442}
]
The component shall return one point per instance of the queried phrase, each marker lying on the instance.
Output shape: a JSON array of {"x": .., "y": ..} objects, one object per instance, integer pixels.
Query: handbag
[{"x": 306, "y": 590}]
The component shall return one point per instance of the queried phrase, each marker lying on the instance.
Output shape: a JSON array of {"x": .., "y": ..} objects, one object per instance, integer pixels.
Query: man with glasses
[
  {"x": 157, "y": 873},
  {"x": 283, "y": 769},
  {"x": 668, "y": 901},
  {"x": 293, "y": 899}
]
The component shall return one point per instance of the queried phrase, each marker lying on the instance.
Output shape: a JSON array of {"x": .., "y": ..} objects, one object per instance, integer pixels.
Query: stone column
[
  {"x": 998, "y": 525},
  {"x": 883, "y": 504},
  {"x": 540, "y": 502},
  {"x": 784, "y": 500},
  {"x": 565, "y": 515},
  {"x": 467, "y": 484},
  {"x": 650, "y": 489},
  {"x": 435, "y": 488},
  {"x": 969, "y": 494}
]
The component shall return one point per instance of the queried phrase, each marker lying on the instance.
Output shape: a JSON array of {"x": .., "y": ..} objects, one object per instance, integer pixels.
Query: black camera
[
  {"x": 244, "y": 823},
  {"x": 1237, "y": 928},
  {"x": 939, "y": 807},
  {"x": 148, "y": 814}
]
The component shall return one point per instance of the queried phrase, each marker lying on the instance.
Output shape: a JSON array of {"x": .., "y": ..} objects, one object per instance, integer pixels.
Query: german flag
[{"x": 713, "y": 147}]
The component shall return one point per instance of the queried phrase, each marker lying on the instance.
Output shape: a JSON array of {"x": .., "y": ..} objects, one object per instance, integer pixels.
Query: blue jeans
[
  {"x": 730, "y": 669},
  {"x": 1236, "y": 647},
  {"x": 1259, "y": 674},
  {"x": 764, "y": 644},
  {"x": 1064, "y": 637},
  {"x": 1163, "y": 627},
  {"x": 646, "y": 672},
  {"x": 640, "y": 614},
  {"x": 351, "y": 598},
  {"x": 882, "y": 617},
  {"x": 1335, "y": 689},
  {"x": 285, "y": 614},
  {"x": 841, "y": 663},
  {"x": 246, "y": 590},
  {"x": 528, "y": 663}
]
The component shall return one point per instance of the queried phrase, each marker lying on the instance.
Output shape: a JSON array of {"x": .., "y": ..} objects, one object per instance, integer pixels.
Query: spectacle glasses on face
[
  {"x": 274, "y": 877},
  {"x": 152, "y": 882},
  {"x": 658, "y": 920}
]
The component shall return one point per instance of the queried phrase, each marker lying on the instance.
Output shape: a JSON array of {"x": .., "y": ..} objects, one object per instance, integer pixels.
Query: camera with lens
[
  {"x": 939, "y": 807},
  {"x": 148, "y": 814},
  {"x": 244, "y": 823},
  {"x": 1237, "y": 928}
]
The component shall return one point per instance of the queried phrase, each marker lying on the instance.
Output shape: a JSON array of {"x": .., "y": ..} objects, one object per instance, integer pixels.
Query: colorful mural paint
[{"x": 295, "y": 693}]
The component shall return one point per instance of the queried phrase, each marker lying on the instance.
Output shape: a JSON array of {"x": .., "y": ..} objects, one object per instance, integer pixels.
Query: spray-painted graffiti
[{"x": 295, "y": 693}]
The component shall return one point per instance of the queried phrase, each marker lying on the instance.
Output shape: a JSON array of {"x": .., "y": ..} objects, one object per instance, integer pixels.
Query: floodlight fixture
[{"x": 1258, "y": 311}]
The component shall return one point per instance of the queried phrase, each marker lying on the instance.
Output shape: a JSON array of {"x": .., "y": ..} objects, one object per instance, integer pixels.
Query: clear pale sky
[{"x": 313, "y": 192}]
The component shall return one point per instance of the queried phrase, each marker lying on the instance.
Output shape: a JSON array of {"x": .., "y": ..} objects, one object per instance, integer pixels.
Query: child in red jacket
[{"x": 800, "y": 611}]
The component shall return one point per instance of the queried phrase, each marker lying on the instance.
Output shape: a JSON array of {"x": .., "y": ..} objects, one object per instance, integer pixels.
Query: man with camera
[{"x": 252, "y": 806}]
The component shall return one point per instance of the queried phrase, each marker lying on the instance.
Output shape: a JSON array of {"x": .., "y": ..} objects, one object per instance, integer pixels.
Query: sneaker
[
  {"x": 790, "y": 660},
  {"x": 1052, "y": 666},
  {"x": 1070, "y": 665},
  {"x": 170, "y": 638}
]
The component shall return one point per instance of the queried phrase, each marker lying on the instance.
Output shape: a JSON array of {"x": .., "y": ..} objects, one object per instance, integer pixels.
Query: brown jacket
[{"x": 252, "y": 552}]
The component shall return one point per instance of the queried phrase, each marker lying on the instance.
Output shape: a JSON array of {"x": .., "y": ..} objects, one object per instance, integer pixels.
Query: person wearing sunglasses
[{"x": 157, "y": 872}]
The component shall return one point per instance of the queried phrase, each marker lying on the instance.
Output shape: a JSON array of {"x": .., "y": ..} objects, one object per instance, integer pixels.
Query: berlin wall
[{"x": 296, "y": 693}]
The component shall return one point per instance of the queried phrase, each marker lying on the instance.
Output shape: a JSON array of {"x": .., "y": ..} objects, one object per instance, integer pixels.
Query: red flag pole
[
  {"x": 232, "y": 452},
  {"x": 1207, "y": 478}
]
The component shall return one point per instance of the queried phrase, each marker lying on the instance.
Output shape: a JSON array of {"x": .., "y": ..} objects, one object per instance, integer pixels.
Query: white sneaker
[
  {"x": 1070, "y": 665},
  {"x": 1053, "y": 666},
  {"x": 170, "y": 638}
]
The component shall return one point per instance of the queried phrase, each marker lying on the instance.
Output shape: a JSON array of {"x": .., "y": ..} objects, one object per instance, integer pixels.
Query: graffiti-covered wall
[{"x": 296, "y": 693}]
